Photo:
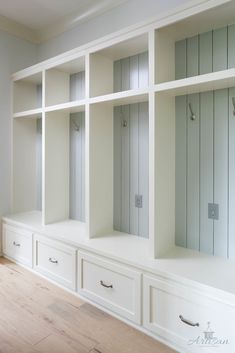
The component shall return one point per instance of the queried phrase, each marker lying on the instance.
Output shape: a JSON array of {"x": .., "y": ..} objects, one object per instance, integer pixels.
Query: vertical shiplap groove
[
  {"x": 132, "y": 140},
  {"x": 131, "y": 72},
  {"x": 77, "y": 166}
]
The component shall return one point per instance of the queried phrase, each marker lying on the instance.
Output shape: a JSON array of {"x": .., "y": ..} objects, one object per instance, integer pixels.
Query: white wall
[
  {"x": 15, "y": 55},
  {"x": 124, "y": 15}
]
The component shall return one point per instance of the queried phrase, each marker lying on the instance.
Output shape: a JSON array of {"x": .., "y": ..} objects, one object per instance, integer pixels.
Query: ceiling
[{"x": 41, "y": 16}]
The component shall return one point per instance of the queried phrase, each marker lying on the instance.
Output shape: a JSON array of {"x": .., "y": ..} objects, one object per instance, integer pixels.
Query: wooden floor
[{"x": 36, "y": 316}]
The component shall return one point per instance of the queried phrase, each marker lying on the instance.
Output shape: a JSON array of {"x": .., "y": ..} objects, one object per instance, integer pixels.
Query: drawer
[
  {"x": 113, "y": 286},
  {"x": 55, "y": 260},
  {"x": 186, "y": 318},
  {"x": 18, "y": 244}
]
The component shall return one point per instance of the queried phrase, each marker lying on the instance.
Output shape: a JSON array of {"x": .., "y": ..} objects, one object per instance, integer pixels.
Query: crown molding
[
  {"x": 84, "y": 14},
  {"x": 18, "y": 30}
]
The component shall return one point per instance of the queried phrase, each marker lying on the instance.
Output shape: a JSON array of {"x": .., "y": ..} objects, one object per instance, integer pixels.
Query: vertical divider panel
[
  {"x": 56, "y": 167},
  {"x": 165, "y": 173},
  {"x": 205, "y": 53},
  {"x": 39, "y": 163},
  {"x": 220, "y": 49},
  {"x": 134, "y": 167},
  {"x": 143, "y": 186},
  {"x": 193, "y": 173},
  {"x": 206, "y": 171},
  {"x": 100, "y": 171},
  {"x": 231, "y": 175},
  {"x": 221, "y": 171},
  {"x": 180, "y": 170},
  {"x": 192, "y": 56}
]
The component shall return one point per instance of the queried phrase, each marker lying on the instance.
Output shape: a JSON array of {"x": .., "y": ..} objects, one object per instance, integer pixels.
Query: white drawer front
[
  {"x": 170, "y": 310},
  {"x": 18, "y": 244},
  {"x": 56, "y": 261},
  {"x": 115, "y": 287}
]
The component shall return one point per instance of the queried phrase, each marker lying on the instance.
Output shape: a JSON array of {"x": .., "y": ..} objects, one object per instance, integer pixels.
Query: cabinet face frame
[{"x": 161, "y": 236}]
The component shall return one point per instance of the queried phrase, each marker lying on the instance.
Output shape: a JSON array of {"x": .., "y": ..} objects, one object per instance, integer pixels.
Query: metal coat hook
[
  {"x": 233, "y": 100},
  {"x": 124, "y": 123},
  {"x": 193, "y": 116},
  {"x": 76, "y": 126}
]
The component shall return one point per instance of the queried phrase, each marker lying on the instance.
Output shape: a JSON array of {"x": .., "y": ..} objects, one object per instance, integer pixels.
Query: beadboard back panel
[
  {"x": 204, "y": 53},
  {"x": 77, "y": 86},
  {"x": 205, "y": 160},
  {"x": 131, "y": 72},
  {"x": 131, "y": 165},
  {"x": 77, "y": 166}
]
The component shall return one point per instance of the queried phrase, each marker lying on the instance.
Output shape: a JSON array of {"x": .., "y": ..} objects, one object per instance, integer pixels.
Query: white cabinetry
[
  {"x": 17, "y": 244},
  {"x": 55, "y": 261},
  {"x": 116, "y": 287}
]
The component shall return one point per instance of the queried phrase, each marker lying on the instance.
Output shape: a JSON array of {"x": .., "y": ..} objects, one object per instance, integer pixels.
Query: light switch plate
[{"x": 213, "y": 211}]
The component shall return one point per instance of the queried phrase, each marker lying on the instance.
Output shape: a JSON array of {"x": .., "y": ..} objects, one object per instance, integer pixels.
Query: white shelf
[
  {"x": 72, "y": 107},
  {"x": 197, "y": 84},
  {"x": 33, "y": 113},
  {"x": 124, "y": 97}
]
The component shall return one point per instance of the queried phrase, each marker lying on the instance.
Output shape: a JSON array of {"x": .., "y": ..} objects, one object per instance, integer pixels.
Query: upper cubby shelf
[
  {"x": 120, "y": 67},
  {"x": 28, "y": 94},
  {"x": 196, "y": 54},
  {"x": 65, "y": 83}
]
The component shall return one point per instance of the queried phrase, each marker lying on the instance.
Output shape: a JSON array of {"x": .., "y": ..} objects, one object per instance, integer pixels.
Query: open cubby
[
  {"x": 70, "y": 78},
  {"x": 119, "y": 178},
  {"x": 28, "y": 93},
  {"x": 27, "y": 166},
  {"x": 64, "y": 166},
  {"x": 120, "y": 67}
]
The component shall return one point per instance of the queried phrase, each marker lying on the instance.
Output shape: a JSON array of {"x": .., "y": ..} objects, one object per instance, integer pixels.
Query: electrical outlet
[
  {"x": 138, "y": 201},
  {"x": 213, "y": 211}
]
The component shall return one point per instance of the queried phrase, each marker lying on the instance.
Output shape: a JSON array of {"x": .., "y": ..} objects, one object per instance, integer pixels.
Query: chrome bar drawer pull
[
  {"x": 16, "y": 244},
  {"x": 53, "y": 261},
  {"x": 188, "y": 322},
  {"x": 106, "y": 285}
]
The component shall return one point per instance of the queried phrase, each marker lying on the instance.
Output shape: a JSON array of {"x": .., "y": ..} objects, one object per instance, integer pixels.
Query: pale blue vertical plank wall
[
  {"x": 143, "y": 169},
  {"x": 77, "y": 86},
  {"x": 180, "y": 59},
  {"x": 134, "y": 167},
  {"x": 231, "y": 46},
  {"x": 205, "y": 53},
  {"x": 131, "y": 72},
  {"x": 125, "y": 168},
  {"x": 231, "y": 217},
  {"x": 77, "y": 166},
  {"x": 193, "y": 172},
  {"x": 192, "y": 56},
  {"x": 117, "y": 167},
  {"x": 131, "y": 158},
  {"x": 206, "y": 171},
  {"x": 39, "y": 164},
  {"x": 180, "y": 172},
  {"x": 220, "y": 49},
  {"x": 205, "y": 162},
  {"x": 221, "y": 171}
]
